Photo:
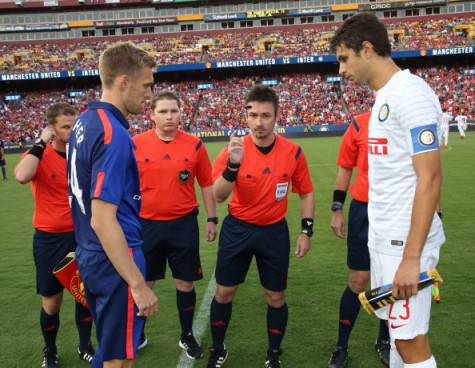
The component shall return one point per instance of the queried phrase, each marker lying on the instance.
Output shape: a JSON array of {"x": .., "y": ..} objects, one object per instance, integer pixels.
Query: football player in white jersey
[
  {"x": 444, "y": 129},
  {"x": 405, "y": 176},
  {"x": 461, "y": 125}
]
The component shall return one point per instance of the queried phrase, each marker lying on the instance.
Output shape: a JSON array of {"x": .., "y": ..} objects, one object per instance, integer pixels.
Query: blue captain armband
[{"x": 424, "y": 138}]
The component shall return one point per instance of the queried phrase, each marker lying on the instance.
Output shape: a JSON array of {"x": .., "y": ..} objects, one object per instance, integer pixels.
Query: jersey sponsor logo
[
  {"x": 398, "y": 243},
  {"x": 383, "y": 112},
  {"x": 184, "y": 175},
  {"x": 281, "y": 191},
  {"x": 424, "y": 138},
  {"x": 378, "y": 146}
]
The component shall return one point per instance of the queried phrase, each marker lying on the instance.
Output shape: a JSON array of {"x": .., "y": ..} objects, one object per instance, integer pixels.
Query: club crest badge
[
  {"x": 184, "y": 175},
  {"x": 383, "y": 112},
  {"x": 427, "y": 137},
  {"x": 281, "y": 191}
]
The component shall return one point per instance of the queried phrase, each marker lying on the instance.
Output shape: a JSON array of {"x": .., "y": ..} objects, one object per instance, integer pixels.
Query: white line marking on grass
[{"x": 200, "y": 322}]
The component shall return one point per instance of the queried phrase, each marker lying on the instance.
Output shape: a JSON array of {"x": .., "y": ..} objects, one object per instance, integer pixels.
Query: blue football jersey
[{"x": 101, "y": 164}]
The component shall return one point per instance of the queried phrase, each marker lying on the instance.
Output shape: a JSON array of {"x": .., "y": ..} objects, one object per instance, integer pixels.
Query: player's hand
[
  {"x": 47, "y": 134},
  {"x": 303, "y": 245},
  {"x": 338, "y": 223},
  {"x": 211, "y": 231},
  {"x": 235, "y": 148},
  {"x": 406, "y": 278},
  {"x": 145, "y": 300}
]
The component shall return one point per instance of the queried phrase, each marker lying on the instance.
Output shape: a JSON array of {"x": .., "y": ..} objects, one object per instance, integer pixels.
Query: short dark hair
[
  {"x": 122, "y": 58},
  {"x": 164, "y": 95},
  {"x": 359, "y": 28},
  {"x": 262, "y": 93},
  {"x": 60, "y": 108}
]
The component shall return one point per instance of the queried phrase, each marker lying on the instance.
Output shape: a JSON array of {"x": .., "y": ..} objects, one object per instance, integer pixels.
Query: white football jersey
[
  {"x": 461, "y": 120},
  {"x": 403, "y": 123},
  {"x": 445, "y": 120}
]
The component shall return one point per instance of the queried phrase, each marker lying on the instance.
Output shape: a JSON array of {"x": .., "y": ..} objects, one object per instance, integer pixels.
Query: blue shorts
[
  {"x": 118, "y": 328},
  {"x": 48, "y": 250},
  {"x": 176, "y": 241},
  {"x": 239, "y": 241},
  {"x": 358, "y": 253}
]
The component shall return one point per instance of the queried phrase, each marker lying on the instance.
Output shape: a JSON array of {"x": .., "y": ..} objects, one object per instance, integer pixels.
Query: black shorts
[
  {"x": 239, "y": 241},
  {"x": 176, "y": 241},
  {"x": 3, "y": 162},
  {"x": 48, "y": 250},
  {"x": 358, "y": 253}
]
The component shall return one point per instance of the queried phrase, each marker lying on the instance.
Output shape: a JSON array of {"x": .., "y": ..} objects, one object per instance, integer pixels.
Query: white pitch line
[{"x": 200, "y": 322}]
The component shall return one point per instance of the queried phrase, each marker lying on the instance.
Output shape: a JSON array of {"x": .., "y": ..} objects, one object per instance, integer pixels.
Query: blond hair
[{"x": 122, "y": 58}]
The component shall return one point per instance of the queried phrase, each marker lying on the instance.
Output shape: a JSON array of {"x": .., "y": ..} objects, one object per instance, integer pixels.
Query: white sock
[{"x": 429, "y": 363}]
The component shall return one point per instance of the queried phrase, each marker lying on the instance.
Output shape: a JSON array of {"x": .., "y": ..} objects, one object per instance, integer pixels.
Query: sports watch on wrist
[{"x": 336, "y": 206}]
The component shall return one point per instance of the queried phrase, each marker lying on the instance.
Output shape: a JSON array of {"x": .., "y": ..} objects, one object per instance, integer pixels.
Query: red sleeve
[
  {"x": 203, "y": 169},
  {"x": 301, "y": 180},
  {"x": 348, "y": 154},
  {"x": 220, "y": 163}
]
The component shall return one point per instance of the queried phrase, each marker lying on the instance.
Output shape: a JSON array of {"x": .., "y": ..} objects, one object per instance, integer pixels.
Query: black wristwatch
[
  {"x": 336, "y": 206},
  {"x": 212, "y": 219},
  {"x": 308, "y": 232},
  {"x": 40, "y": 142}
]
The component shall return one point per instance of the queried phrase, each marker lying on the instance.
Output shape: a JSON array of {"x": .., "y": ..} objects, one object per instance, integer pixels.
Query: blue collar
[{"x": 112, "y": 109}]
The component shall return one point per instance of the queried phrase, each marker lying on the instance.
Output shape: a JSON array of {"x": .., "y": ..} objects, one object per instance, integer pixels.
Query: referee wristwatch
[
  {"x": 212, "y": 219},
  {"x": 336, "y": 206},
  {"x": 308, "y": 232},
  {"x": 41, "y": 143}
]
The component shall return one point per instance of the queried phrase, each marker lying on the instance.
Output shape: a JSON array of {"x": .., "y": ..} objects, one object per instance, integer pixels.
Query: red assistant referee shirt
[
  {"x": 260, "y": 193},
  {"x": 354, "y": 153},
  {"x": 167, "y": 174},
  {"x": 49, "y": 187}
]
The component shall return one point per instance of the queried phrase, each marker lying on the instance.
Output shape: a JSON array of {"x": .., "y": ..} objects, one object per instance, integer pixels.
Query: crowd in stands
[
  {"x": 305, "y": 99},
  {"x": 228, "y": 45}
]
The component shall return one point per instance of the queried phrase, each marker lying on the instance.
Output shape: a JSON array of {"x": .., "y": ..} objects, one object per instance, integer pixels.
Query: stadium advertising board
[
  {"x": 266, "y": 13},
  {"x": 401, "y": 4},
  {"x": 35, "y": 27},
  {"x": 320, "y": 128},
  {"x": 225, "y": 16},
  {"x": 309, "y": 11},
  {"x": 135, "y": 22},
  {"x": 311, "y": 59}
]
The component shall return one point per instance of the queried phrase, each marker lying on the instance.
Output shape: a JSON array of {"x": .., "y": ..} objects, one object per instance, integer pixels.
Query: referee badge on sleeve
[{"x": 281, "y": 191}]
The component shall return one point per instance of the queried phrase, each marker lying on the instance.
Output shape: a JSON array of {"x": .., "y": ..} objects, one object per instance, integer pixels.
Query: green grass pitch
[{"x": 315, "y": 282}]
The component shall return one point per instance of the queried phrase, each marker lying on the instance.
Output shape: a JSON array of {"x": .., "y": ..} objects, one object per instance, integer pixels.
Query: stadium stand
[
  {"x": 305, "y": 99},
  {"x": 428, "y": 32}
]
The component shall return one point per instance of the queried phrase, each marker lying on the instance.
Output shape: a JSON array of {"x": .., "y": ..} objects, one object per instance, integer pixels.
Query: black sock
[
  {"x": 383, "y": 331},
  {"x": 185, "y": 303},
  {"x": 84, "y": 325},
  {"x": 49, "y": 327},
  {"x": 276, "y": 325},
  {"x": 4, "y": 172},
  {"x": 220, "y": 315},
  {"x": 349, "y": 309}
]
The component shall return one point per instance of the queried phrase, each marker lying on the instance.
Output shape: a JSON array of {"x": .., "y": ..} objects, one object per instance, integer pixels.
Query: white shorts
[{"x": 410, "y": 317}]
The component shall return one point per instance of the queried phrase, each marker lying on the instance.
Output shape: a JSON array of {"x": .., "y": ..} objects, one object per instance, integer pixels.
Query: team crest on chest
[
  {"x": 184, "y": 175},
  {"x": 281, "y": 191},
  {"x": 383, "y": 112}
]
